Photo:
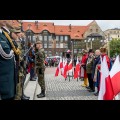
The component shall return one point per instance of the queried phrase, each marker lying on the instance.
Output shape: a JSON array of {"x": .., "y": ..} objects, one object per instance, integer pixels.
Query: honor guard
[
  {"x": 40, "y": 67},
  {"x": 7, "y": 65}
]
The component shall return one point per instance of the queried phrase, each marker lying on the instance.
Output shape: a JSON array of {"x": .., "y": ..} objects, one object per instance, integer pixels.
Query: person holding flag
[{"x": 83, "y": 65}]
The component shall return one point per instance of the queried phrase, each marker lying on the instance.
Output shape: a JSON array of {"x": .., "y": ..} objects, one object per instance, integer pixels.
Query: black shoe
[
  {"x": 88, "y": 87},
  {"x": 96, "y": 94},
  {"x": 25, "y": 97},
  {"x": 91, "y": 90},
  {"x": 41, "y": 95},
  {"x": 33, "y": 79}
]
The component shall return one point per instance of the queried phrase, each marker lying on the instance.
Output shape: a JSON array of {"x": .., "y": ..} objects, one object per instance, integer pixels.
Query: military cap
[{"x": 38, "y": 42}]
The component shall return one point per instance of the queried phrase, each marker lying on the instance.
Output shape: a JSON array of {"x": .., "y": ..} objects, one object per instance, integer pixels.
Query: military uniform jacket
[
  {"x": 7, "y": 69},
  {"x": 40, "y": 57}
]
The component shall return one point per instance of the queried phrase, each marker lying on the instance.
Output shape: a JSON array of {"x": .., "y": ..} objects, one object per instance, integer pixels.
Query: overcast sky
[{"x": 104, "y": 24}]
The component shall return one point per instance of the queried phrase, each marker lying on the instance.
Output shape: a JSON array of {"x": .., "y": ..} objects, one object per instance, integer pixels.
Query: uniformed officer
[
  {"x": 22, "y": 66},
  {"x": 40, "y": 67},
  {"x": 7, "y": 65},
  {"x": 15, "y": 34}
]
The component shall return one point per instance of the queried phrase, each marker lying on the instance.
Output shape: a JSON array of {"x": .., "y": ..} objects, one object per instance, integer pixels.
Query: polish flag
[
  {"x": 109, "y": 94},
  {"x": 115, "y": 76},
  {"x": 65, "y": 69},
  {"x": 70, "y": 65},
  {"x": 104, "y": 75},
  {"x": 62, "y": 69},
  {"x": 77, "y": 70},
  {"x": 60, "y": 65}
]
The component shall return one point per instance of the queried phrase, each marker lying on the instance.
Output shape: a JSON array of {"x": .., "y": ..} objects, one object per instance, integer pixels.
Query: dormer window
[
  {"x": 91, "y": 30},
  {"x": 45, "y": 25}
]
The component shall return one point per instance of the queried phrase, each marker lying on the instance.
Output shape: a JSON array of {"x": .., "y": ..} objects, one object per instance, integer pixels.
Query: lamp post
[
  {"x": 108, "y": 43},
  {"x": 72, "y": 49}
]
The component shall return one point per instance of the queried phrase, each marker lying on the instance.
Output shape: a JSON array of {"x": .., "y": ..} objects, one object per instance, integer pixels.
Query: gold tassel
[{"x": 17, "y": 51}]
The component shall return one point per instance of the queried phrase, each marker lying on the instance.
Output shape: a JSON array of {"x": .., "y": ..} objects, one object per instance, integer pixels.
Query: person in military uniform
[
  {"x": 40, "y": 67},
  {"x": 15, "y": 30},
  {"x": 7, "y": 65},
  {"x": 22, "y": 66}
]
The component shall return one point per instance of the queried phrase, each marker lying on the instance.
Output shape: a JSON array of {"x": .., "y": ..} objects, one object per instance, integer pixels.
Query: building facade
[
  {"x": 57, "y": 39},
  {"x": 113, "y": 33}
]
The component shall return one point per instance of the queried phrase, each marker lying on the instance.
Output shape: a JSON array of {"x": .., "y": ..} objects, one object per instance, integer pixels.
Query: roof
[
  {"x": 38, "y": 28},
  {"x": 75, "y": 32}
]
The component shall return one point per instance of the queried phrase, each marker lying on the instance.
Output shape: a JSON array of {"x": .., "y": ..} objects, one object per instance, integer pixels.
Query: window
[
  {"x": 90, "y": 30},
  {"x": 96, "y": 30},
  {"x": 50, "y": 37},
  {"x": 50, "y": 46},
  {"x": 57, "y": 53},
  {"x": 118, "y": 36},
  {"x": 45, "y": 32},
  {"x": 66, "y": 38},
  {"x": 75, "y": 50},
  {"x": 29, "y": 37},
  {"x": 34, "y": 38},
  {"x": 61, "y": 53},
  {"x": 66, "y": 46},
  {"x": 61, "y": 45},
  {"x": 45, "y": 38},
  {"x": 45, "y": 45},
  {"x": 57, "y": 45},
  {"x": 57, "y": 38},
  {"x": 118, "y": 32},
  {"x": 114, "y": 32},
  {"x": 61, "y": 38},
  {"x": 40, "y": 37}
]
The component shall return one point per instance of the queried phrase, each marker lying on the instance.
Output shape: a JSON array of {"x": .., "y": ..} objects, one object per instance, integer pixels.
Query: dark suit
[{"x": 7, "y": 70}]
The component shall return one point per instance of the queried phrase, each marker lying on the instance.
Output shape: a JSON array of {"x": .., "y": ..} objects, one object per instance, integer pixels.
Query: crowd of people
[
  {"x": 51, "y": 62},
  {"x": 90, "y": 68}
]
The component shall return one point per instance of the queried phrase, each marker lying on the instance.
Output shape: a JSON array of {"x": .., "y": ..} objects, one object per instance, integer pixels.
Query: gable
[{"x": 93, "y": 28}]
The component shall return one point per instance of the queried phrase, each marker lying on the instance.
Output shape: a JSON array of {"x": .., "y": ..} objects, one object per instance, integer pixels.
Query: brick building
[{"x": 59, "y": 38}]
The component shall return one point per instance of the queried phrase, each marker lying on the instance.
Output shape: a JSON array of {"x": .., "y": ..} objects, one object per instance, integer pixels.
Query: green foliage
[{"x": 114, "y": 47}]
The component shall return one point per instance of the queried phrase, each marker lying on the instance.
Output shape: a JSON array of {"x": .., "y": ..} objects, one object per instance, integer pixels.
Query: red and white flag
[
  {"x": 60, "y": 65},
  {"x": 115, "y": 76},
  {"x": 104, "y": 75},
  {"x": 65, "y": 69},
  {"x": 77, "y": 70},
  {"x": 70, "y": 65}
]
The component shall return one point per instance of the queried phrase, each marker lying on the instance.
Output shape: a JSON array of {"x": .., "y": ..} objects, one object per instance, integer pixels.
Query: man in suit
[{"x": 7, "y": 66}]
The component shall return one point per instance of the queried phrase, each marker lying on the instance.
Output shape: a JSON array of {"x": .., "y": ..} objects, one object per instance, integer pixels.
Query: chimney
[
  {"x": 70, "y": 27},
  {"x": 36, "y": 24}
]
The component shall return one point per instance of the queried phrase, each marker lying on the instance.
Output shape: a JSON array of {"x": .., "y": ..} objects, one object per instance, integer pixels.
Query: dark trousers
[
  {"x": 90, "y": 80},
  {"x": 9, "y": 98}
]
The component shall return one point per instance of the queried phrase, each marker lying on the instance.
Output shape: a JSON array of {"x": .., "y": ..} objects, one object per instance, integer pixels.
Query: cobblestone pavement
[{"x": 59, "y": 89}]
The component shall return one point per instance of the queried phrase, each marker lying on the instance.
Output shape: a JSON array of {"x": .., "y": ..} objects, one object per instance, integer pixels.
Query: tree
[{"x": 114, "y": 47}]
